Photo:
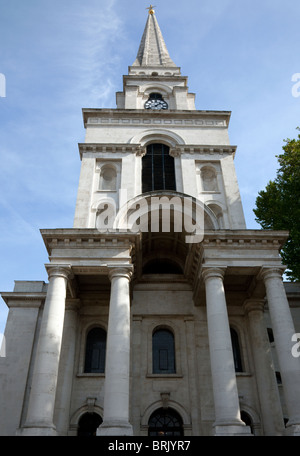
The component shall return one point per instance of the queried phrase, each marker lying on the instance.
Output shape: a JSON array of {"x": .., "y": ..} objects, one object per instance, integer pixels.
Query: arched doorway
[
  {"x": 165, "y": 422},
  {"x": 88, "y": 424}
]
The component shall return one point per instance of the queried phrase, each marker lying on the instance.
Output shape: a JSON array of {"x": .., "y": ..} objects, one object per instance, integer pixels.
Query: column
[
  {"x": 117, "y": 367},
  {"x": 283, "y": 329},
  {"x": 271, "y": 412},
  {"x": 44, "y": 381},
  {"x": 66, "y": 367},
  {"x": 227, "y": 411}
]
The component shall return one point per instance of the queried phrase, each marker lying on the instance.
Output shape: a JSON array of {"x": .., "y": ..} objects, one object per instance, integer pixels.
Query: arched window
[
  {"x": 236, "y": 351},
  {"x": 95, "y": 351},
  {"x": 163, "y": 352},
  {"x": 108, "y": 178},
  {"x": 88, "y": 424},
  {"x": 158, "y": 170},
  {"x": 165, "y": 422}
]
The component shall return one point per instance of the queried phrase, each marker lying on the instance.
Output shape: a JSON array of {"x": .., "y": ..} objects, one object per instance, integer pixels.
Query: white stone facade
[{"x": 217, "y": 297}]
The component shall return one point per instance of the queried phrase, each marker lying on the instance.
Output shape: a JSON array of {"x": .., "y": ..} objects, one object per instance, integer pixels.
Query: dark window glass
[
  {"x": 165, "y": 422},
  {"x": 236, "y": 351},
  {"x": 95, "y": 351},
  {"x": 163, "y": 352},
  {"x": 270, "y": 335},
  {"x": 88, "y": 424},
  {"x": 162, "y": 266},
  {"x": 158, "y": 170}
]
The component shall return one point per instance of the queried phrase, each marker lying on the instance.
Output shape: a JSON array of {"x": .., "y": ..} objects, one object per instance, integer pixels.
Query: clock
[{"x": 156, "y": 101}]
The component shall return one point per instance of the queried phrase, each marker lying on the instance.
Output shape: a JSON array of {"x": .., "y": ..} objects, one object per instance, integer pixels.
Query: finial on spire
[{"x": 151, "y": 10}]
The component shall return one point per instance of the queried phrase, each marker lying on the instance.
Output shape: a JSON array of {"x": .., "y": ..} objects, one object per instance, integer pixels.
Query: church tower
[{"x": 154, "y": 320}]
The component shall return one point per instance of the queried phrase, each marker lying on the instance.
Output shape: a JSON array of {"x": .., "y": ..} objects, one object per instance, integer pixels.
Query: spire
[{"x": 153, "y": 50}]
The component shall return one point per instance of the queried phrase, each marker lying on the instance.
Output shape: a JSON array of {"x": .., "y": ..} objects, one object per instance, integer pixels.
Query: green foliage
[{"x": 278, "y": 206}]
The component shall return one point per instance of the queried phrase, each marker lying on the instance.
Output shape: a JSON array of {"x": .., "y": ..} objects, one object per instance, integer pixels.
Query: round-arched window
[
  {"x": 163, "y": 352},
  {"x": 158, "y": 169},
  {"x": 165, "y": 422},
  {"x": 95, "y": 351}
]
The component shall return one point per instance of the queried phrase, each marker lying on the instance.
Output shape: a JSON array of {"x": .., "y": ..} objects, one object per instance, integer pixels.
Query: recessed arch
[
  {"x": 165, "y": 421},
  {"x": 167, "y": 137},
  {"x": 157, "y": 87},
  {"x": 88, "y": 424},
  {"x": 209, "y": 178},
  {"x": 218, "y": 211},
  {"x": 80, "y": 412},
  {"x": 108, "y": 177},
  {"x": 172, "y": 404}
]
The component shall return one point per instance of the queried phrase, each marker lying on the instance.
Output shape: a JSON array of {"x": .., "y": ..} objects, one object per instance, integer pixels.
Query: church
[{"x": 163, "y": 314}]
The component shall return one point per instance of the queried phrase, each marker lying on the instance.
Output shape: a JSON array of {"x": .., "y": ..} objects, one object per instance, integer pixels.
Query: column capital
[
  {"x": 271, "y": 272},
  {"x": 210, "y": 272},
  {"x": 254, "y": 304},
  {"x": 59, "y": 270},
  {"x": 120, "y": 271}
]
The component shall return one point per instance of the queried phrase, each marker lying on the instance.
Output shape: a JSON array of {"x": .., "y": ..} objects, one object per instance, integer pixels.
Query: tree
[{"x": 278, "y": 206}]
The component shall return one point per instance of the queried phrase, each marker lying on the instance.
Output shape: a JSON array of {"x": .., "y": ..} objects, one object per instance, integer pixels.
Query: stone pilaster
[{"x": 270, "y": 406}]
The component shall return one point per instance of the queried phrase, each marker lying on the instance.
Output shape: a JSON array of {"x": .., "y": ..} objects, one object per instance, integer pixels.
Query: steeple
[
  {"x": 153, "y": 50},
  {"x": 154, "y": 74}
]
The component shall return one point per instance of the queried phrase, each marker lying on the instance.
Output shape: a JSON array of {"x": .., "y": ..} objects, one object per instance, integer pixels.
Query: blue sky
[{"x": 58, "y": 57}]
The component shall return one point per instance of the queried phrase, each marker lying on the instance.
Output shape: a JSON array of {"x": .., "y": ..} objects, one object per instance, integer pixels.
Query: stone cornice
[
  {"x": 110, "y": 148},
  {"x": 245, "y": 238},
  {"x": 86, "y": 239},
  {"x": 137, "y": 149},
  {"x": 23, "y": 299}
]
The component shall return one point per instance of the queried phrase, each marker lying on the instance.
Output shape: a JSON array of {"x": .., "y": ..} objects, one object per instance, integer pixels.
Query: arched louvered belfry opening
[{"x": 158, "y": 169}]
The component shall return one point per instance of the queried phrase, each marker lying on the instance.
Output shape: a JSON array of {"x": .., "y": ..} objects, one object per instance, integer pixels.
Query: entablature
[{"x": 178, "y": 118}]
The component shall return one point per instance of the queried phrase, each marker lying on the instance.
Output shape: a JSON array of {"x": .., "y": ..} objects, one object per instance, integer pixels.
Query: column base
[
  {"x": 36, "y": 431},
  {"x": 293, "y": 430},
  {"x": 232, "y": 430},
  {"x": 116, "y": 428}
]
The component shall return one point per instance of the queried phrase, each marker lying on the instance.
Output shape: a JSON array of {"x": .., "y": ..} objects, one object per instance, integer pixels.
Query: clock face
[{"x": 156, "y": 104}]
